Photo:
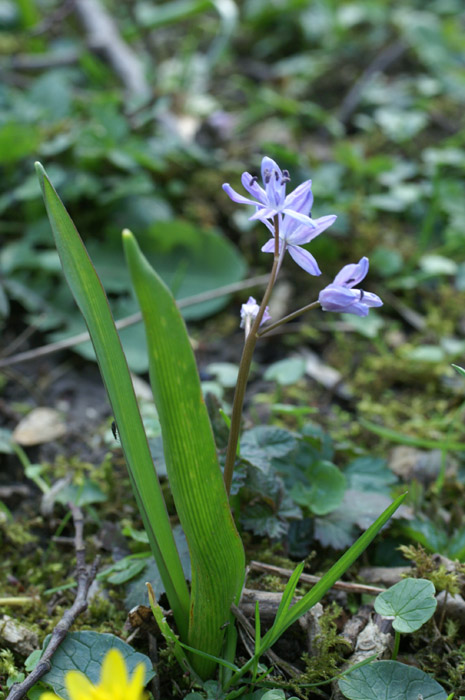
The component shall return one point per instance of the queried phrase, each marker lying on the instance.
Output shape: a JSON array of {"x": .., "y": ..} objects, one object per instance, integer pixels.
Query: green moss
[
  {"x": 427, "y": 567},
  {"x": 328, "y": 650}
]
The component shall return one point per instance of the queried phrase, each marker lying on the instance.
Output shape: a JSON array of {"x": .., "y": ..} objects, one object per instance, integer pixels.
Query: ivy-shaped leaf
[
  {"x": 85, "y": 651},
  {"x": 390, "y": 680},
  {"x": 410, "y": 602},
  {"x": 262, "y": 444},
  {"x": 326, "y": 489}
]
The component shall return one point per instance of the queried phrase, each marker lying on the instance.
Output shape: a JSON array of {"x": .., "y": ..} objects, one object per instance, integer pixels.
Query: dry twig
[
  {"x": 308, "y": 578},
  {"x": 103, "y": 36},
  {"x": 131, "y": 320},
  {"x": 84, "y": 578}
]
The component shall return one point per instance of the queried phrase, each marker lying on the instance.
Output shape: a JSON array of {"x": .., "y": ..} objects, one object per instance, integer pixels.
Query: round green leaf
[
  {"x": 390, "y": 680},
  {"x": 85, "y": 651},
  {"x": 326, "y": 492},
  {"x": 410, "y": 602}
]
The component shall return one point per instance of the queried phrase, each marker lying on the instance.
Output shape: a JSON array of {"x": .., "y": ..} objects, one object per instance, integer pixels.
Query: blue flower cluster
[{"x": 296, "y": 227}]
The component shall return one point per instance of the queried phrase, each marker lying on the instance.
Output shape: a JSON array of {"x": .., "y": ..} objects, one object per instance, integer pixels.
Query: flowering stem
[
  {"x": 289, "y": 317},
  {"x": 244, "y": 367}
]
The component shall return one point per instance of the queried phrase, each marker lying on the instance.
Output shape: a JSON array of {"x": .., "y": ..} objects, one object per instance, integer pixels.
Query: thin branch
[
  {"x": 131, "y": 320},
  {"x": 84, "y": 578},
  {"x": 308, "y": 578}
]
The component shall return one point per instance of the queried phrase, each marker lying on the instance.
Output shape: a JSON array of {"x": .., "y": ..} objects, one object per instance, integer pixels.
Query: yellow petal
[
  {"x": 114, "y": 677},
  {"x": 78, "y": 686},
  {"x": 49, "y": 696},
  {"x": 136, "y": 685}
]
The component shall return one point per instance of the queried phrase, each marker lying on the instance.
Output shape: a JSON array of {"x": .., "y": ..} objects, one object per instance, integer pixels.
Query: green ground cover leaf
[
  {"x": 358, "y": 509},
  {"x": 81, "y": 494},
  {"x": 136, "y": 590},
  {"x": 410, "y": 603},
  {"x": 390, "y": 680},
  {"x": 85, "y": 651},
  {"x": 262, "y": 444},
  {"x": 326, "y": 490},
  {"x": 370, "y": 474},
  {"x": 287, "y": 371},
  {"x": 123, "y": 570}
]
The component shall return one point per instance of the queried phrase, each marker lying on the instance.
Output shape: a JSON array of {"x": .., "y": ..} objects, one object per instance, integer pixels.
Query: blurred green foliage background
[{"x": 140, "y": 110}]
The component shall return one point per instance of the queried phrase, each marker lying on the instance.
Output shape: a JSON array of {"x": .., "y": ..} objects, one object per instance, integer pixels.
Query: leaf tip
[{"x": 39, "y": 168}]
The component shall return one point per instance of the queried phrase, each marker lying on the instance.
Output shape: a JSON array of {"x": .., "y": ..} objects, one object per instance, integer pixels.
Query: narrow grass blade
[
  {"x": 172, "y": 642},
  {"x": 335, "y": 572},
  {"x": 288, "y": 593},
  {"x": 286, "y": 619},
  {"x": 394, "y": 436},
  {"x": 217, "y": 554},
  {"x": 93, "y": 304}
]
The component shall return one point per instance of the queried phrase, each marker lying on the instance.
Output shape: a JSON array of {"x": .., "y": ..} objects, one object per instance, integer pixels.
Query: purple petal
[
  {"x": 268, "y": 167},
  {"x": 251, "y": 185},
  {"x": 370, "y": 299},
  {"x": 266, "y": 316},
  {"x": 301, "y": 199},
  {"x": 262, "y": 213},
  {"x": 236, "y": 197},
  {"x": 300, "y": 217},
  {"x": 304, "y": 234},
  {"x": 336, "y": 298},
  {"x": 288, "y": 228},
  {"x": 273, "y": 180},
  {"x": 359, "y": 309},
  {"x": 269, "y": 246},
  {"x": 305, "y": 259},
  {"x": 324, "y": 222},
  {"x": 350, "y": 275}
]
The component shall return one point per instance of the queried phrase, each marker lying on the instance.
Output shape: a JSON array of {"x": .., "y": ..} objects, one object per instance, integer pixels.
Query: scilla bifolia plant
[{"x": 202, "y": 614}]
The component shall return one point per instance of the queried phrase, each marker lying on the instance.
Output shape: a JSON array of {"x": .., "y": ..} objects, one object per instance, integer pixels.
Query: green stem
[
  {"x": 395, "y": 651},
  {"x": 286, "y": 319},
  {"x": 244, "y": 367}
]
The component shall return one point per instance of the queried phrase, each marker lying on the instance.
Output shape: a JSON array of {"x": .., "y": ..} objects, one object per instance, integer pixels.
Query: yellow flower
[{"x": 114, "y": 682}]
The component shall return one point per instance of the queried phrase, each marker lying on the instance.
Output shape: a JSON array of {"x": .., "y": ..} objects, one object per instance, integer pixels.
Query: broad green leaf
[
  {"x": 425, "y": 532},
  {"x": 356, "y": 512},
  {"x": 264, "y": 443},
  {"x": 93, "y": 304},
  {"x": 326, "y": 492},
  {"x": 456, "y": 545},
  {"x": 195, "y": 477},
  {"x": 390, "y": 680},
  {"x": 287, "y": 371},
  {"x": 369, "y": 474},
  {"x": 81, "y": 495},
  {"x": 84, "y": 652},
  {"x": 225, "y": 373},
  {"x": 124, "y": 570},
  {"x": 410, "y": 602}
]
